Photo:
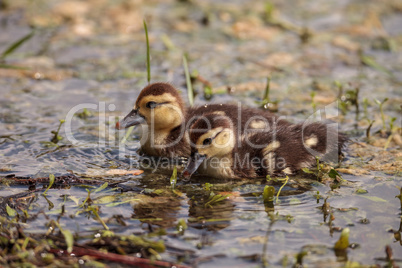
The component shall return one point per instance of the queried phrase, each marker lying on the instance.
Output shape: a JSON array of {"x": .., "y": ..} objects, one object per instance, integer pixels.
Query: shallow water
[{"x": 94, "y": 60}]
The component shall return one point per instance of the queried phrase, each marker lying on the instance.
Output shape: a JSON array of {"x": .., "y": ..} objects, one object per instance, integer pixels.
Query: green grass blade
[
  {"x": 14, "y": 67},
  {"x": 102, "y": 187},
  {"x": 370, "y": 61},
  {"x": 51, "y": 181},
  {"x": 148, "y": 54},
  {"x": 130, "y": 129},
  {"x": 267, "y": 88},
  {"x": 69, "y": 238},
  {"x": 16, "y": 45},
  {"x": 188, "y": 81}
]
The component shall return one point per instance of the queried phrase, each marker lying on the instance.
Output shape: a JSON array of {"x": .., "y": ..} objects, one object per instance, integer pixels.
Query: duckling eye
[
  {"x": 151, "y": 104},
  {"x": 207, "y": 141}
]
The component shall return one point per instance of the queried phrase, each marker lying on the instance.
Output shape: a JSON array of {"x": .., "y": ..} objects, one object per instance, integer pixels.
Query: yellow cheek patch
[
  {"x": 258, "y": 124},
  {"x": 210, "y": 134},
  {"x": 223, "y": 138},
  {"x": 222, "y": 144},
  {"x": 312, "y": 141}
]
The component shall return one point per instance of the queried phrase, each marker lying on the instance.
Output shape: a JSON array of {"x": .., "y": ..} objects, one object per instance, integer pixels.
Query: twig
[
  {"x": 59, "y": 180},
  {"x": 129, "y": 260}
]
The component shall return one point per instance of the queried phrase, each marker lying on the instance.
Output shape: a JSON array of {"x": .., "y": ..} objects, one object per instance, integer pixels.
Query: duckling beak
[
  {"x": 132, "y": 119},
  {"x": 193, "y": 163}
]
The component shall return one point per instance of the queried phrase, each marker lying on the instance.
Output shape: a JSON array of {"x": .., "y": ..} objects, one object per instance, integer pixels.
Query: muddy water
[{"x": 92, "y": 55}]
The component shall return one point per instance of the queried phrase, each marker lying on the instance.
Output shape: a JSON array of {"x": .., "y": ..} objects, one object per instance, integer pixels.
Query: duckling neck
[
  {"x": 219, "y": 167},
  {"x": 170, "y": 142}
]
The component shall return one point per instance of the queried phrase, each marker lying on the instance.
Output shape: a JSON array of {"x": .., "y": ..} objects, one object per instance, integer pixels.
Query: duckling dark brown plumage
[
  {"x": 160, "y": 107},
  {"x": 220, "y": 150}
]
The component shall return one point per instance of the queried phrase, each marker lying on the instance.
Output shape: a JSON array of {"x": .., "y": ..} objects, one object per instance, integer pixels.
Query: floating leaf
[
  {"x": 105, "y": 199},
  {"x": 361, "y": 191},
  {"x": 295, "y": 201},
  {"x": 343, "y": 242},
  {"x": 10, "y": 211},
  {"x": 102, "y": 187},
  {"x": 374, "y": 198},
  {"x": 306, "y": 170},
  {"x": 122, "y": 202},
  {"x": 75, "y": 199}
]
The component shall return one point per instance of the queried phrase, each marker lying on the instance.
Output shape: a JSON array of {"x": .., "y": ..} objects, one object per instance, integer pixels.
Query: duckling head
[
  {"x": 159, "y": 105},
  {"x": 211, "y": 136}
]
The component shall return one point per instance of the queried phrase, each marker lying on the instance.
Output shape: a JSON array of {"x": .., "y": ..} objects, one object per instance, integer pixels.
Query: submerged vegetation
[{"x": 95, "y": 203}]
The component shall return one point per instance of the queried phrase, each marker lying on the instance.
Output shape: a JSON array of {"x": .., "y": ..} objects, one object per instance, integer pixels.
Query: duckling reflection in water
[
  {"x": 218, "y": 150},
  {"x": 160, "y": 109}
]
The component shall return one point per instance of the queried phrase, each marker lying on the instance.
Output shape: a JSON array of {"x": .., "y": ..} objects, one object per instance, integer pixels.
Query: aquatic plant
[
  {"x": 381, "y": 105},
  {"x": 56, "y": 137},
  {"x": 215, "y": 198},
  {"x": 10, "y": 49},
  {"x": 268, "y": 194},
  {"x": 280, "y": 189},
  {"x": 400, "y": 195},
  {"x": 190, "y": 91},
  {"x": 266, "y": 102},
  {"x": 181, "y": 226},
  {"x": 173, "y": 178},
  {"x": 265, "y": 99},
  {"x": 371, "y": 62},
  {"x": 313, "y": 103},
  {"x": 130, "y": 129},
  {"x": 51, "y": 181},
  {"x": 393, "y": 130},
  {"x": 343, "y": 242},
  {"x": 148, "y": 53},
  {"x": 371, "y": 122}
]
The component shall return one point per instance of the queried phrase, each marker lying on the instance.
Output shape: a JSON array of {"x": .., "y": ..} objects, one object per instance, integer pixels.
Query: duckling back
[
  {"x": 290, "y": 148},
  {"x": 280, "y": 149}
]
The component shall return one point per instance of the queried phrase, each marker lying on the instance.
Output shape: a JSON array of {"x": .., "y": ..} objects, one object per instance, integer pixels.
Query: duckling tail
[{"x": 323, "y": 141}]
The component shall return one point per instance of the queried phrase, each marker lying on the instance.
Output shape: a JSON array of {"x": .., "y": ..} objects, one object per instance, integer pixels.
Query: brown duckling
[
  {"x": 160, "y": 108},
  {"x": 218, "y": 150}
]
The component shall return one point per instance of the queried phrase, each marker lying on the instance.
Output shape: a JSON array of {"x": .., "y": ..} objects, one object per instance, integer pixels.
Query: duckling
[
  {"x": 160, "y": 108},
  {"x": 218, "y": 150}
]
